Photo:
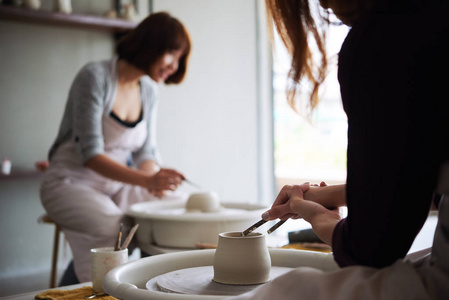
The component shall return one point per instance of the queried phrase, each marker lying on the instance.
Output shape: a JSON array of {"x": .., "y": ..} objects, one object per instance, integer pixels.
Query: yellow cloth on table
[
  {"x": 319, "y": 247},
  {"x": 77, "y": 294}
]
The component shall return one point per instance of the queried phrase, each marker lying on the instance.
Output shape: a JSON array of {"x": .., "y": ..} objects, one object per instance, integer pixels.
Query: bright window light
[{"x": 312, "y": 150}]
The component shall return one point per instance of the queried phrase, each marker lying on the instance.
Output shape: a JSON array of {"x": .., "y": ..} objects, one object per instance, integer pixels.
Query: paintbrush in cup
[
  {"x": 129, "y": 237},
  {"x": 119, "y": 239}
]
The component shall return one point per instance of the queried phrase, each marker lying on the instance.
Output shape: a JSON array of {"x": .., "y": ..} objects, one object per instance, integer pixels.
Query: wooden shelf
[
  {"x": 22, "y": 174},
  {"x": 13, "y": 13}
]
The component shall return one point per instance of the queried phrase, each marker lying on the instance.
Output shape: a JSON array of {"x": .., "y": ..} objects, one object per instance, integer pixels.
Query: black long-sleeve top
[{"x": 393, "y": 74}]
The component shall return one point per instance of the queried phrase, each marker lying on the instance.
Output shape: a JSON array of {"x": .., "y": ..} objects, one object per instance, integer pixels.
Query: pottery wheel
[{"x": 198, "y": 281}]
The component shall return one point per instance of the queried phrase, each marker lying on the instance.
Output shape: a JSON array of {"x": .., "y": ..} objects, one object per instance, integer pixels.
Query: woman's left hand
[{"x": 290, "y": 203}]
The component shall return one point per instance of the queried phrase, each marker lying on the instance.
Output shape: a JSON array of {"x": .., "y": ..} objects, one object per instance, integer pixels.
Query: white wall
[
  {"x": 38, "y": 64},
  {"x": 208, "y": 124}
]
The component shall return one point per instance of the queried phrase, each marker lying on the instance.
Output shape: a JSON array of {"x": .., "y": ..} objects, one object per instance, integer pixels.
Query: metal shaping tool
[
  {"x": 192, "y": 184},
  {"x": 254, "y": 227},
  {"x": 260, "y": 223},
  {"x": 276, "y": 226}
]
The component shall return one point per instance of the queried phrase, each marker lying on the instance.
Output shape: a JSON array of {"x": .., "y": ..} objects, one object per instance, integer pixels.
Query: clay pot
[
  {"x": 204, "y": 202},
  {"x": 241, "y": 260}
]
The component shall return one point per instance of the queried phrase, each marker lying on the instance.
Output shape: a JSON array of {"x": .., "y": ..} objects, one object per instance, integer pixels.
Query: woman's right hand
[
  {"x": 163, "y": 180},
  {"x": 290, "y": 203}
]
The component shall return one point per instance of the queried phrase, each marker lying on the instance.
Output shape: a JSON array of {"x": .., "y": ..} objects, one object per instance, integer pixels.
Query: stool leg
[{"x": 54, "y": 261}]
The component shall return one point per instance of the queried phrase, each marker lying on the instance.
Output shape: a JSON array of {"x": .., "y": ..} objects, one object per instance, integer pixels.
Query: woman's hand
[
  {"x": 290, "y": 203},
  {"x": 282, "y": 207},
  {"x": 152, "y": 168},
  {"x": 149, "y": 175},
  {"x": 163, "y": 180}
]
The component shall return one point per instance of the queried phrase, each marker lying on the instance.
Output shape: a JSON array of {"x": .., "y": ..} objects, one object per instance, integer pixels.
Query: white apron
[{"x": 89, "y": 207}]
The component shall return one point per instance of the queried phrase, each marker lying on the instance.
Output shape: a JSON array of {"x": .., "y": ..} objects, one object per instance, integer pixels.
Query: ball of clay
[{"x": 204, "y": 202}]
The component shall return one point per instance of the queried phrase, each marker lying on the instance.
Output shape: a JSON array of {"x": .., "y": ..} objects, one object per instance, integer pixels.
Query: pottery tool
[
  {"x": 276, "y": 226},
  {"x": 254, "y": 227},
  {"x": 260, "y": 223},
  {"x": 192, "y": 183},
  {"x": 95, "y": 295},
  {"x": 119, "y": 239},
  {"x": 129, "y": 237}
]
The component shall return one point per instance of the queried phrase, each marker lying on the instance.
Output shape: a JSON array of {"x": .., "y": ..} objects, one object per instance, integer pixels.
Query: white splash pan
[
  {"x": 128, "y": 281},
  {"x": 185, "y": 230}
]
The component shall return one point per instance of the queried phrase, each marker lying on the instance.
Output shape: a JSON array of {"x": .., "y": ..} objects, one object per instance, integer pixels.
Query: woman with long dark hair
[{"x": 392, "y": 73}]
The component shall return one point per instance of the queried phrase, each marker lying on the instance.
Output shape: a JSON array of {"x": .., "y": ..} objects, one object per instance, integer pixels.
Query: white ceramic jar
[
  {"x": 241, "y": 260},
  {"x": 104, "y": 260}
]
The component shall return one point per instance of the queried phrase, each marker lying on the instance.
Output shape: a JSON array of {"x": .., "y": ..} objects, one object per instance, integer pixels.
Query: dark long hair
[
  {"x": 295, "y": 24},
  {"x": 299, "y": 28},
  {"x": 157, "y": 34}
]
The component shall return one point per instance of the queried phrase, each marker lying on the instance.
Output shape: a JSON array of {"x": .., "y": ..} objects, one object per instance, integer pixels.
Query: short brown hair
[{"x": 157, "y": 34}]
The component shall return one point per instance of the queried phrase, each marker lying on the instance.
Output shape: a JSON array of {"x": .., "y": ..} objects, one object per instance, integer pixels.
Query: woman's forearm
[
  {"x": 109, "y": 168},
  {"x": 324, "y": 225},
  {"x": 150, "y": 166},
  {"x": 329, "y": 196},
  {"x": 148, "y": 176}
]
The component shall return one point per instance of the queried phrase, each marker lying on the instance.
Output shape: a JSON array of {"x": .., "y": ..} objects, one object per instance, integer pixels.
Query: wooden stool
[{"x": 54, "y": 263}]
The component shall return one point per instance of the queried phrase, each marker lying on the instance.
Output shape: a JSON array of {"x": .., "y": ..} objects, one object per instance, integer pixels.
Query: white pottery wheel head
[{"x": 168, "y": 224}]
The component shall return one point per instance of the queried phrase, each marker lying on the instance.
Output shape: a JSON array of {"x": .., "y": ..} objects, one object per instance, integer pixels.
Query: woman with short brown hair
[
  {"x": 105, "y": 157},
  {"x": 151, "y": 39}
]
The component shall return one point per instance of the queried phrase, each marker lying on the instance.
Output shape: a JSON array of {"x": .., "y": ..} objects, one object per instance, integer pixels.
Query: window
[{"x": 316, "y": 150}]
